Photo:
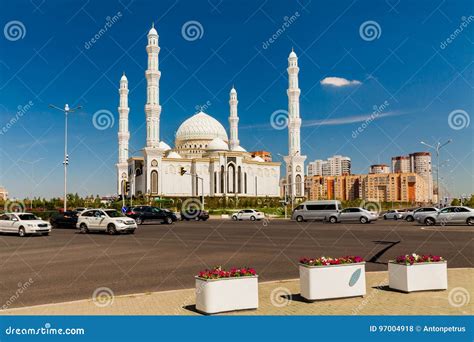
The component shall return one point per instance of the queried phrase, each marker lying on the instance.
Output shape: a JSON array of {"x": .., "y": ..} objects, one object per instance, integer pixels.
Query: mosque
[{"x": 205, "y": 160}]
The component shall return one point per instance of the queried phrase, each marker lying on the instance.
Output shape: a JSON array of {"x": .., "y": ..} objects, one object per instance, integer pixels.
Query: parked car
[
  {"x": 144, "y": 213},
  {"x": 449, "y": 215},
  {"x": 248, "y": 214},
  {"x": 67, "y": 219},
  {"x": 316, "y": 210},
  {"x": 197, "y": 215},
  {"x": 23, "y": 224},
  {"x": 354, "y": 214},
  {"x": 106, "y": 220},
  {"x": 392, "y": 215},
  {"x": 410, "y": 216}
]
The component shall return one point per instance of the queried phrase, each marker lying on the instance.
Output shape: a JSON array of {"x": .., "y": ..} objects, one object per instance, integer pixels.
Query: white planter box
[
  {"x": 226, "y": 294},
  {"x": 335, "y": 281},
  {"x": 418, "y": 277}
]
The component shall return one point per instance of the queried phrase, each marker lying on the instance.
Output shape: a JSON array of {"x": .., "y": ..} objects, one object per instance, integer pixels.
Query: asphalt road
[{"x": 68, "y": 265}]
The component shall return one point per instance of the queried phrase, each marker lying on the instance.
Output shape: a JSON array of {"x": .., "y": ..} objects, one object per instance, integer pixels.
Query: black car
[
  {"x": 194, "y": 214},
  {"x": 67, "y": 219},
  {"x": 144, "y": 213}
]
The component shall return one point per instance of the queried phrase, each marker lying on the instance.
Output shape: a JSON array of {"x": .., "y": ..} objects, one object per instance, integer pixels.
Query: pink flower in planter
[
  {"x": 217, "y": 273},
  {"x": 326, "y": 261}
]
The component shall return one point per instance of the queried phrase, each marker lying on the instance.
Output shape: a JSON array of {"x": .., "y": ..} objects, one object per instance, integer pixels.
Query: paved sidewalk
[{"x": 275, "y": 299}]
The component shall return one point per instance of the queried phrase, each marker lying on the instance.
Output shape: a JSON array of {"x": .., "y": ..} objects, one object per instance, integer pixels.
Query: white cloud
[
  {"x": 338, "y": 82},
  {"x": 349, "y": 119}
]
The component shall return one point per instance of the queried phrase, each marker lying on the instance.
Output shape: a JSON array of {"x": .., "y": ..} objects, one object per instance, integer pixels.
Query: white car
[
  {"x": 23, "y": 224},
  {"x": 412, "y": 216},
  {"x": 392, "y": 215},
  {"x": 448, "y": 216},
  {"x": 354, "y": 214},
  {"x": 106, "y": 220},
  {"x": 248, "y": 214}
]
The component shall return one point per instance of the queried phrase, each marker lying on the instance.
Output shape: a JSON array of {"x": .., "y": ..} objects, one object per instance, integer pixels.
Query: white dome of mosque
[
  {"x": 153, "y": 31},
  {"x": 292, "y": 54},
  {"x": 173, "y": 155},
  {"x": 164, "y": 146},
  {"x": 217, "y": 144},
  {"x": 201, "y": 126},
  {"x": 239, "y": 149},
  {"x": 123, "y": 78}
]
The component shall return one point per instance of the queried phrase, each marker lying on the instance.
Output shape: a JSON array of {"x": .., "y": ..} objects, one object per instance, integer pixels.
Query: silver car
[
  {"x": 411, "y": 215},
  {"x": 392, "y": 215},
  {"x": 316, "y": 210},
  {"x": 449, "y": 215},
  {"x": 354, "y": 214}
]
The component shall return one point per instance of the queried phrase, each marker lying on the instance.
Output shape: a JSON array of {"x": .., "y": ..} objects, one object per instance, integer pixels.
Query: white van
[{"x": 316, "y": 210}]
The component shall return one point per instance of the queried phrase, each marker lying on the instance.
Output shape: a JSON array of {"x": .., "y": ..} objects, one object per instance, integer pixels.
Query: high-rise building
[
  {"x": 381, "y": 187},
  {"x": 379, "y": 168},
  {"x": 334, "y": 166},
  {"x": 420, "y": 163},
  {"x": 401, "y": 164},
  {"x": 3, "y": 193}
]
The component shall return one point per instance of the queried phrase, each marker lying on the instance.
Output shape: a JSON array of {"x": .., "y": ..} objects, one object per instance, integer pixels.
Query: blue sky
[{"x": 408, "y": 65}]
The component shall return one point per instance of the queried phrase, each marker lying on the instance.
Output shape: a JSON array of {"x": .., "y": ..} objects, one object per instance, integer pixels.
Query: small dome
[
  {"x": 217, "y": 144},
  {"x": 258, "y": 159},
  {"x": 153, "y": 30},
  {"x": 173, "y": 155},
  {"x": 164, "y": 146},
  {"x": 239, "y": 149},
  {"x": 200, "y": 126},
  {"x": 123, "y": 78},
  {"x": 292, "y": 54},
  {"x": 233, "y": 91}
]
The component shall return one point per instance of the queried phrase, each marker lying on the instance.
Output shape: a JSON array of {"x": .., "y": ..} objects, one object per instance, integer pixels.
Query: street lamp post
[
  {"x": 437, "y": 148},
  {"x": 66, "y": 111}
]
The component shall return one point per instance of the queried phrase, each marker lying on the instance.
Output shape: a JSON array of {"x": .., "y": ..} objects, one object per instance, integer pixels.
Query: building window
[
  {"x": 231, "y": 179},
  {"x": 298, "y": 185},
  {"x": 239, "y": 180},
  {"x": 215, "y": 182},
  {"x": 222, "y": 179},
  {"x": 154, "y": 182},
  {"x": 245, "y": 182}
]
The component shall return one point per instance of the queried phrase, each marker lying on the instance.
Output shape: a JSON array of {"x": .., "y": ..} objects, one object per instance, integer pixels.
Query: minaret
[
  {"x": 233, "y": 120},
  {"x": 152, "y": 107},
  {"x": 294, "y": 161},
  {"x": 123, "y": 134}
]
